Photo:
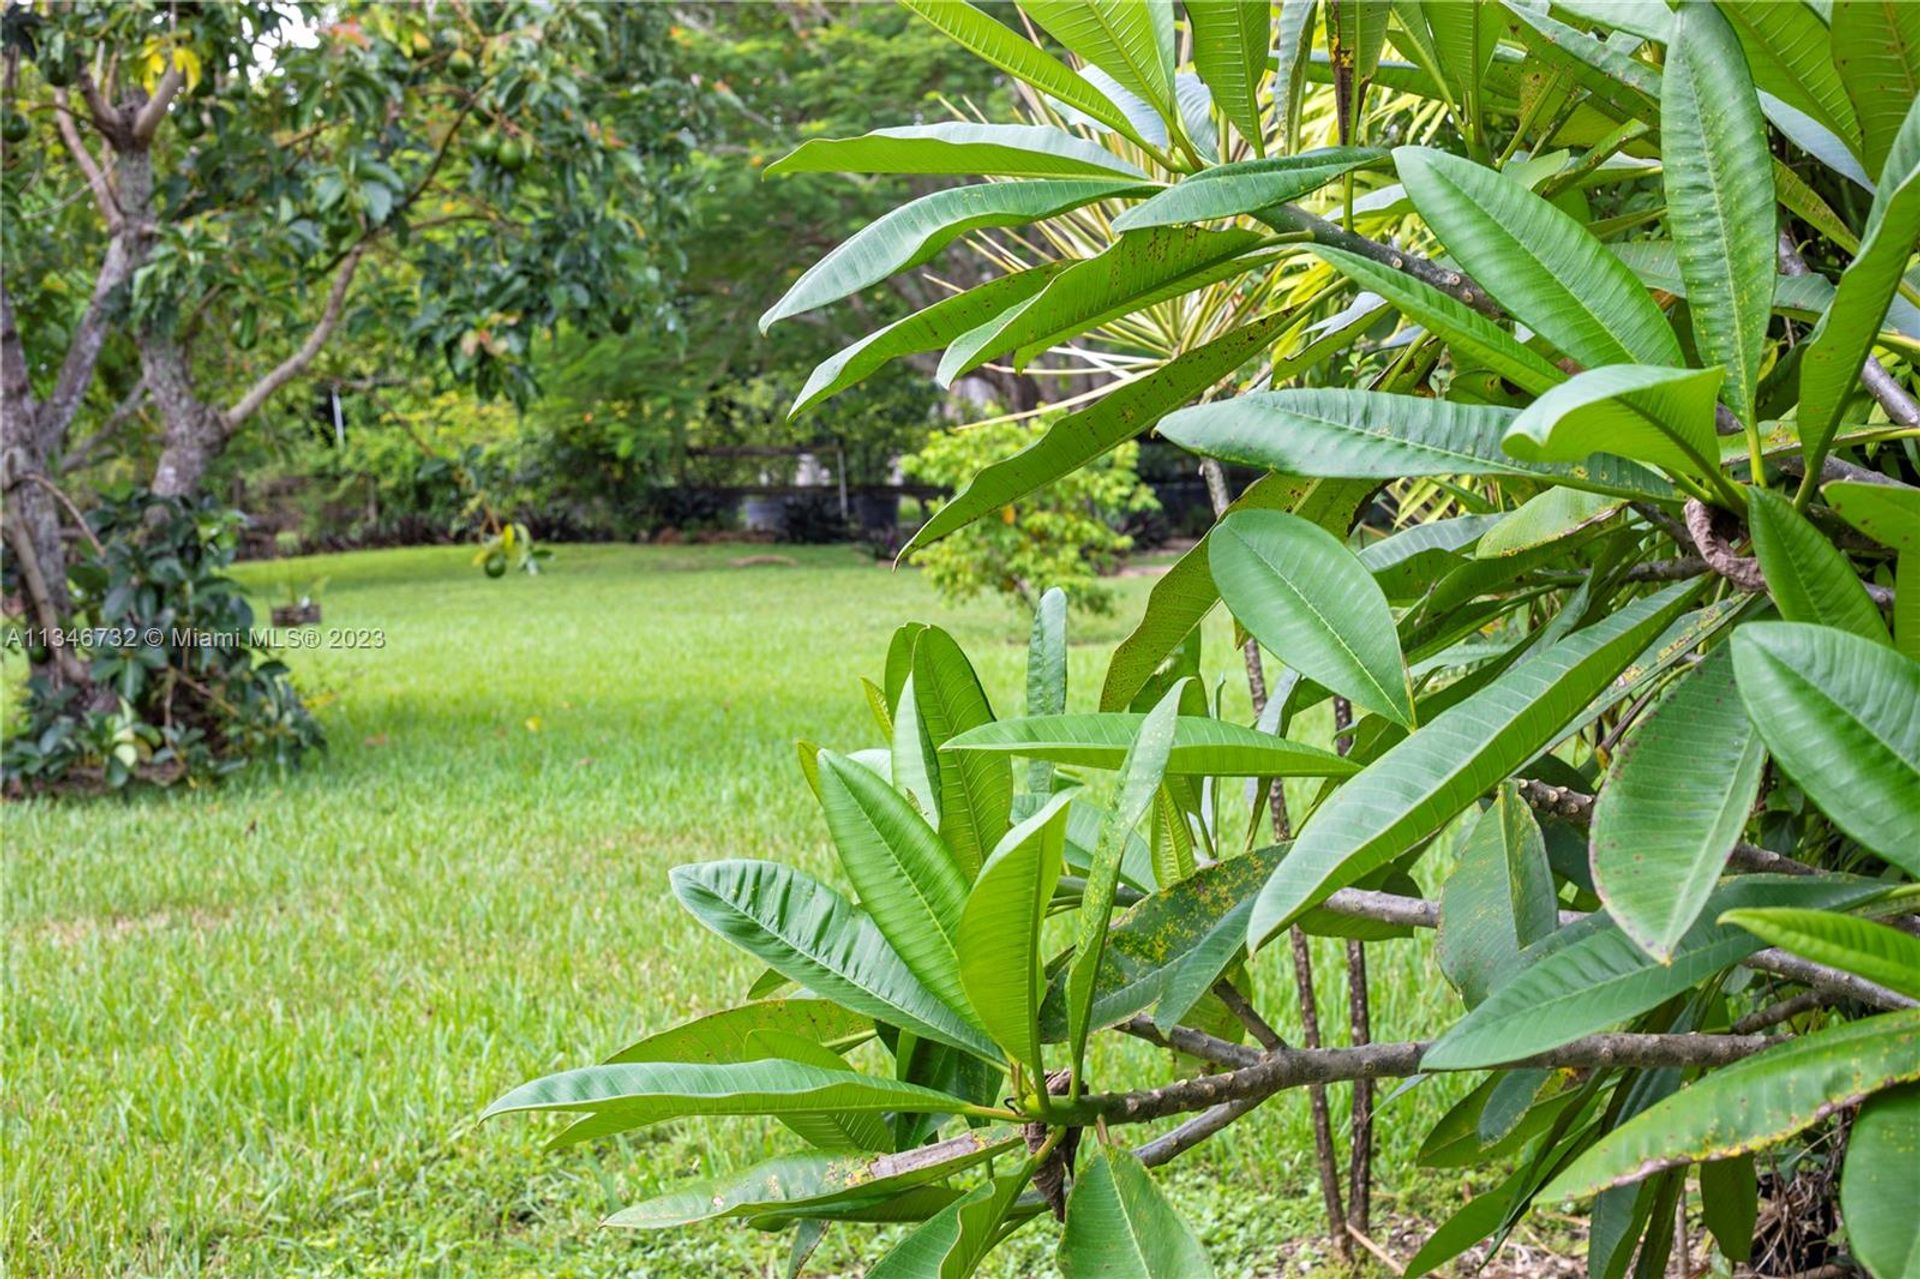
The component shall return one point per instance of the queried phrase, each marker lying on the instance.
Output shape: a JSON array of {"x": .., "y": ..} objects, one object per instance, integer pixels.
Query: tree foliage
[{"x": 1606, "y": 324}]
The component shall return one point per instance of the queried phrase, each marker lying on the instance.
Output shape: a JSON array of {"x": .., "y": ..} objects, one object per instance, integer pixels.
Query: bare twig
[{"x": 291, "y": 367}]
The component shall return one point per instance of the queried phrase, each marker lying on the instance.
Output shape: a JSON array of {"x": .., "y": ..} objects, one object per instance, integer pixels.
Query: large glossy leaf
[
  {"x": 1080, "y": 437},
  {"x": 641, "y": 1093},
  {"x": 953, "y": 1242},
  {"x": 1228, "y": 190},
  {"x": 812, "y": 935},
  {"x": 1463, "y": 328},
  {"x": 812, "y": 1182},
  {"x": 1588, "y": 977},
  {"x": 1836, "y": 711},
  {"x": 1130, "y": 41},
  {"x": 1185, "y": 593},
  {"x": 1171, "y": 948},
  {"x": 1809, "y": 579},
  {"x": 1876, "y": 47},
  {"x": 906, "y": 878},
  {"x": 976, "y": 793},
  {"x": 1298, "y": 590},
  {"x": 1464, "y": 37},
  {"x": 1046, "y": 673},
  {"x": 1873, "y": 950},
  {"x": 1627, "y": 86},
  {"x": 1140, "y": 776},
  {"x": 1498, "y": 901},
  {"x": 912, "y": 233},
  {"x": 1790, "y": 53},
  {"x": 722, "y": 1036},
  {"x": 1720, "y": 202},
  {"x": 925, "y": 330},
  {"x": 996, "y": 43},
  {"x": 1539, "y": 263},
  {"x": 826, "y": 1129},
  {"x": 1000, "y": 960},
  {"x": 1201, "y": 746},
  {"x": 1844, "y": 338},
  {"x": 1675, "y": 800},
  {"x": 1406, "y": 562},
  {"x": 1419, "y": 785},
  {"x": 1876, "y": 1189},
  {"x": 1119, "y": 1225},
  {"x": 1293, "y": 55},
  {"x": 1137, "y": 270},
  {"x": 958, "y": 146},
  {"x": 1350, "y": 434},
  {"x": 1231, "y": 44},
  {"x": 914, "y": 768},
  {"x": 1752, "y": 1104},
  {"x": 1887, "y": 513},
  {"x": 1659, "y": 416}
]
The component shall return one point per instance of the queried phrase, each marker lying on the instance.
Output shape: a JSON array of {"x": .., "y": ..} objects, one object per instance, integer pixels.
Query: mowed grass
[{"x": 248, "y": 1029}]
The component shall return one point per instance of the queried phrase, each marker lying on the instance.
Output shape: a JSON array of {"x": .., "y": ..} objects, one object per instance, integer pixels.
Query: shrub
[
  {"x": 183, "y": 688},
  {"x": 1629, "y": 653},
  {"x": 1066, "y": 534}
]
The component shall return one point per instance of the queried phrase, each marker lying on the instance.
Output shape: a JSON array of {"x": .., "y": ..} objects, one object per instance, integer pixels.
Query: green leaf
[
  {"x": 1201, "y": 746},
  {"x": 1119, "y": 1225},
  {"x": 814, "y": 1182},
  {"x": 829, "y": 1130},
  {"x": 1046, "y": 673},
  {"x": 1752, "y": 1104},
  {"x": 1310, "y": 600},
  {"x": 1881, "y": 954},
  {"x": 1542, "y": 520},
  {"x": 1876, "y": 48},
  {"x": 1137, "y": 270},
  {"x": 1876, "y": 1189},
  {"x": 1729, "y": 1205},
  {"x": 912, "y": 233},
  {"x": 1185, "y": 593},
  {"x": 1537, "y": 262},
  {"x": 1455, "y": 1141},
  {"x": 642, "y": 1093},
  {"x": 1587, "y": 977},
  {"x": 1464, "y": 37},
  {"x": 976, "y": 792},
  {"x": 994, "y": 42},
  {"x": 1720, "y": 202},
  {"x": 1836, "y": 711},
  {"x": 900, "y": 663},
  {"x": 1498, "y": 901},
  {"x": 1231, "y": 42},
  {"x": 953, "y": 1242},
  {"x": 924, "y": 330},
  {"x": 1244, "y": 186},
  {"x": 1464, "y": 329},
  {"x": 722, "y": 1036},
  {"x": 1418, "y": 786},
  {"x": 1293, "y": 50},
  {"x": 906, "y": 878},
  {"x": 1844, "y": 337},
  {"x": 961, "y": 147},
  {"x": 1791, "y": 57},
  {"x": 914, "y": 768},
  {"x": 1659, "y": 416},
  {"x": 1471, "y": 1222},
  {"x": 1809, "y": 579},
  {"x": 1130, "y": 41},
  {"x": 1350, "y": 434},
  {"x": 1887, "y": 513},
  {"x": 1405, "y": 563},
  {"x": 1080, "y": 437},
  {"x": 812, "y": 935},
  {"x": 1000, "y": 960},
  {"x": 1140, "y": 777},
  {"x": 1628, "y": 87},
  {"x": 1675, "y": 800}
]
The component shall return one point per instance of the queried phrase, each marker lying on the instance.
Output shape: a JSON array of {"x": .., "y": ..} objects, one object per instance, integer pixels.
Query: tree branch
[
  {"x": 296, "y": 364},
  {"x": 1260, "y": 1075},
  {"x": 146, "y": 121},
  {"x": 83, "y": 157},
  {"x": 1454, "y": 284}
]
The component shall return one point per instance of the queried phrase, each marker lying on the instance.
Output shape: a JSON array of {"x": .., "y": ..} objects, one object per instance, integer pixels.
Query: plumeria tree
[{"x": 1573, "y": 349}]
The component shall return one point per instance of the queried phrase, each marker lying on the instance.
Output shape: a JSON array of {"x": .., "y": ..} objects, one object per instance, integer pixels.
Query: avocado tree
[
  {"x": 203, "y": 199},
  {"x": 1627, "y": 702}
]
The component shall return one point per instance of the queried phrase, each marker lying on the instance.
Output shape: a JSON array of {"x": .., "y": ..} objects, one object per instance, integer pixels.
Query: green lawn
[{"x": 247, "y": 1029}]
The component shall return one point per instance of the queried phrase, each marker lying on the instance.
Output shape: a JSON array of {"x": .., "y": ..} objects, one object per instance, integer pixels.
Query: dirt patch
[
  {"x": 763, "y": 561},
  {"x": 111, "y": 928}
]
